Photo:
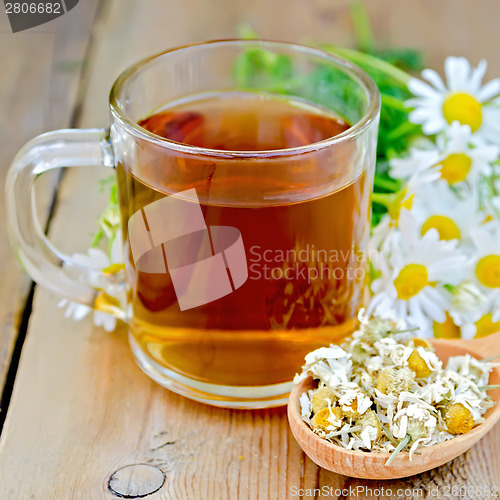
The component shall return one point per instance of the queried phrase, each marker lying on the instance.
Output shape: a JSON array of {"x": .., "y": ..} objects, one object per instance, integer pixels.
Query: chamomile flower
[
  {"x": 417, "y": 161},
  {"x": 462, "y": 159},
  {"x": 469, "y": 303},
  {"x": 395, "y": 203},
  {"x": 483, "y": 327},
  {"x": 486, "y": 265},
  {"x": 455, "y": 158},
  {"x": 110, "y": 297},
  {"x": 463, "y": 99},
  {"x": 452, "y": 216},
  {"x": 493, "y": 206},
  {"x": 414, "y": 274}
]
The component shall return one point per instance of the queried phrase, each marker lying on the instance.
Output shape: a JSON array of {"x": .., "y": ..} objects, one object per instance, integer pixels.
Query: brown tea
[{"x": 302, "y": 241}]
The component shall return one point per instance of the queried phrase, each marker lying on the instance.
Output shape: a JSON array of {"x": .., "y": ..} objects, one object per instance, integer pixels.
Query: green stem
[
  {"x": 384, "y": 199},
  {"x": 406, "y": 330},
  {"x": 404, "y": 129},
  {"x": 388, "y": 434},
  {"x": 399, "y": 447},
  {"x": 373, "y": 62},
  {"x": 362, "y": 26},
  {"x": 387, "y": 183},
  {"x": 393, "y": 102},
  {"x": 489, "y": 387}
]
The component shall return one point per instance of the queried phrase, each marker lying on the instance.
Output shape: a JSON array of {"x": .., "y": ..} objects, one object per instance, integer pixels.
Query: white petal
[
  {"x": 482, "y": 239},
  {"x": 419, "y": 88},
  {"x": 485, "y": 153},
  {"x": 432, "y": 308},
  {"x": 468, "y": 331},
  {"x": 422, "y": 318},
  {"x": 116, "y": 251},
  {"x": 490, "y": 90},
  {"x": 74, "y": 311},
  {"x": 432, "y": 77},
  {"x": 107, "y": 321},
  {"x": 459, "y": 137},
  {"x": 434, "y": 125},
  {"x": 457, "y": 71},
  {"x": 421, "y": 115},
  {"x": 439, "y": 298},
  {"x": 477, "y": 76},
  {"x": 495, "y": 317},
  {"x": 96, "y": 259}
]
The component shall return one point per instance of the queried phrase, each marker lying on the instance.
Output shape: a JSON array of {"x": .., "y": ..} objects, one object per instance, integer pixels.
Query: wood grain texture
[
  {"x": 81, "y": 408},
  {"x": 38, "y": 91},
  {"x": 439, "y": 28}
]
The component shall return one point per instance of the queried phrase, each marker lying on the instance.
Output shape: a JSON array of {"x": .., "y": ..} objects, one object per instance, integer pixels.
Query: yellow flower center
[
  {"x": 400, "y": 201},
  {"x": 446, "y": 330},
  {"x": 114, "y": 269},
  {"x": 411, "y": 280},
  {"x": 106, "y": 303},
  {"x": 446, "y": 228},
  {"x": 455, "y": 167},
  {"x": 488, "y": 271},
  {"x": 408, "y": 203},
  {"x": 463, "y": 108},
  {"x": 485, "y": 326}
]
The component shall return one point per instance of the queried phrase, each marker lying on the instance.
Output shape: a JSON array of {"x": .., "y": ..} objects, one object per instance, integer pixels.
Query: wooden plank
[
  {"x": 444, "y": 28},
  {"x": 14, "y": 131},
  {"x": 439, "y": 29},
  {"x": 82, "y": 410},
  {"x": 38, "y": 87}
]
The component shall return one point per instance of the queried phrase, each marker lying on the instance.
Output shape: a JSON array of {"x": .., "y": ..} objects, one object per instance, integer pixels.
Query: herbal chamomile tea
[
  {"x": 244, "y": 172},
  {"x": 303, "y": 237}
]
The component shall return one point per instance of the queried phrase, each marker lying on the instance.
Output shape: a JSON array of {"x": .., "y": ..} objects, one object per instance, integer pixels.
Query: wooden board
[
  {"x": 41, "y": 74},
  {"x": 82, "y": 410}
]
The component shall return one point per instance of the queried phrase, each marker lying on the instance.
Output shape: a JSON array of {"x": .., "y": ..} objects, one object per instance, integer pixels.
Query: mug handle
[{"x": 47, "y": 265}]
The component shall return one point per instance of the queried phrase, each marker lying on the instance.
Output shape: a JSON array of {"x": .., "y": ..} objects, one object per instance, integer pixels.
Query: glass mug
[{"x": 244, "y": 173}]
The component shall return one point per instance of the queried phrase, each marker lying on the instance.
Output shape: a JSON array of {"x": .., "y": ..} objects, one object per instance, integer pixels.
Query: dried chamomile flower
[
  {"x": 327, "y": 418},
  {"x": 414, "y": 420},
  {"x": 385, "y": 390},
  {"x": 305, "y": 405},
  {"x": 422, "y": 343},
  {"x": 459, "y": 419},
  {"x": 332, "y": 365},
  {"x": 378, "y": 328},
  {"x": 434, "y": 391},
  {"x": 395, "y": 380},
  {"x": 323, "y": 397},
  {"x": 417, "y": 364},
  {"x": 386, "y": 380},
  {"x": 477, "y": 370},
  {"x": 422, "y": 362},
  {"x": 391, "y": 351},
  {"x": 354, "y": 403},
  {"x": 369, "y": 419},
  {"x": 475, "y": 400},
  {"x": 368, "y": 435}
]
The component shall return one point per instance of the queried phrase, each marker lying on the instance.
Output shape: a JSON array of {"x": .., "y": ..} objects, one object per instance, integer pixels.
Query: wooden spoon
[{"x": 371, "y": 465}]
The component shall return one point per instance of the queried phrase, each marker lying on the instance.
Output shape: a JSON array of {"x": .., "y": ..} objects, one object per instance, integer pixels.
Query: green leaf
[{"x": 405, "y": 59}]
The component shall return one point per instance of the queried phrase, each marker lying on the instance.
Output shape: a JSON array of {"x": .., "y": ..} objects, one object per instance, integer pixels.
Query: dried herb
[{"x": 385, "y": 390}]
